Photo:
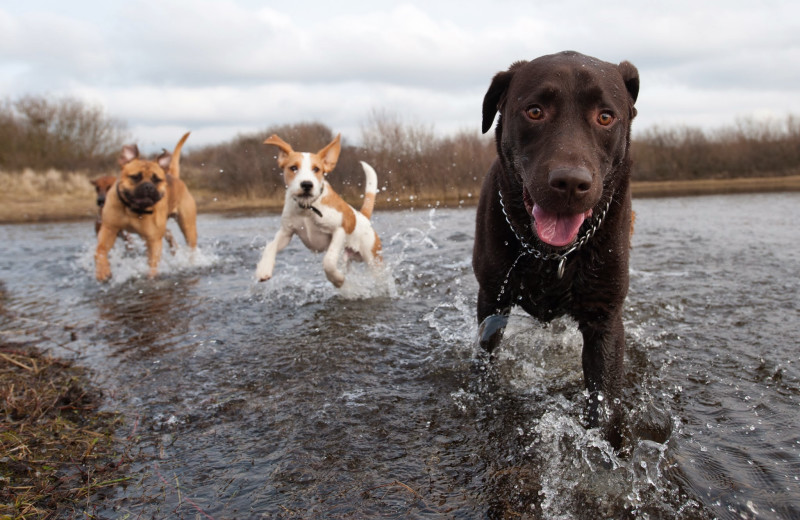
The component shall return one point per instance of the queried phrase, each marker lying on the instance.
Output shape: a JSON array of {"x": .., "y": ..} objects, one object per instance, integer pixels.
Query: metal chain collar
[{"x": 561, "y": 257}]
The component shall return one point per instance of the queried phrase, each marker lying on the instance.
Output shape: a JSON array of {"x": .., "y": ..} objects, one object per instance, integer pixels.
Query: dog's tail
[
  {"x": 370, "y": 190},
  {"x": 175, "y": 159}
]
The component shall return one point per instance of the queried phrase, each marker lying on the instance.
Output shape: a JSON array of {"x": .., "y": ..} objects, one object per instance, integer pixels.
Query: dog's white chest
[{"x": 312, "y": 235}]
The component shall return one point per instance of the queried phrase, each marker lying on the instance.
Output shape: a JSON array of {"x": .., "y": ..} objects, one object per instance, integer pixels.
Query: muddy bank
[{"x": 57, "y": 450}]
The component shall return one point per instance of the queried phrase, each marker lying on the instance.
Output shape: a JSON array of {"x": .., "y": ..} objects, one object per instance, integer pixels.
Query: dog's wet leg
[
  {"x": 187, "y": 222},
  {"x": 105, "y": 241},
  {"x": 493, "y": 314},
  {"x": 173, "y": 246},
  {"x": 603, "y": 353},
  {"x": 490, "y": 331},
  {"x": 154, "y": 247},
  {"x": 331, "y": 258}
]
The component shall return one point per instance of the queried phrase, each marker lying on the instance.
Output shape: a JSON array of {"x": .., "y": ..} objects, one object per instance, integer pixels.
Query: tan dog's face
[
  {"x": 142, "y": 184},
  {"x": 101, "y": 187},
  {"x": 303, "y": 172}
]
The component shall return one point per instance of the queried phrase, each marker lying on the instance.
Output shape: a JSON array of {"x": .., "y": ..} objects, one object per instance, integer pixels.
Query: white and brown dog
[{"x": 318, "y": 215}]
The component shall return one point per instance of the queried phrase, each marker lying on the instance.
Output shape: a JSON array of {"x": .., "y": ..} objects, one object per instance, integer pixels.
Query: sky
[{"x": 221, "y": 68}]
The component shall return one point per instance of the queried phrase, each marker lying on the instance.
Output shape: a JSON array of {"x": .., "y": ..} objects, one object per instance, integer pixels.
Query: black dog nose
[
  {"x": 307, "y": 186},
  {"x": 571, "y": 182},
  {"x": 146, "y": 190}
]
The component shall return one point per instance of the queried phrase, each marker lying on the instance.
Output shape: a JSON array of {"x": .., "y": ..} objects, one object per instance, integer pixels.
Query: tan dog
[
  {"x": 145, "y": 194},
  {"x": 101, "y": 187},
  {"x": 318, "y": 215}
]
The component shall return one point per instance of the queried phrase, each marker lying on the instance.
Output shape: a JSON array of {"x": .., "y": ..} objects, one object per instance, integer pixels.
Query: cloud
[
  {"x": 224, "y": 64},
  {"x": 345, "y": 107}
]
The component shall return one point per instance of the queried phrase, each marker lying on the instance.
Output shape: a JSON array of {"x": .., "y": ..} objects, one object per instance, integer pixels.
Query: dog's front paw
[
  {"x": 102, "y": 272},
  {"x": 102, "y": 269},
  {"x": 491, "y": 331},
  {"x": 336, "y": 277},
  {"x": 263, "y": 271}
]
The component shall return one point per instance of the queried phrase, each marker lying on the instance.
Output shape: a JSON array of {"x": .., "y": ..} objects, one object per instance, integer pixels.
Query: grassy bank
[
  {"x": 56, "y": 450},
  {"x": 48, "y": 198},
  {"x": 715, "y": 186}
]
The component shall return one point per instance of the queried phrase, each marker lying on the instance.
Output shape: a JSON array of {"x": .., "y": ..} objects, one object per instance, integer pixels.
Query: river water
[{"x": 292, "y": 399}]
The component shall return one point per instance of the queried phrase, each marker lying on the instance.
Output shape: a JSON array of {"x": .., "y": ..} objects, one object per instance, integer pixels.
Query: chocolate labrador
[{"x": 554, "y": 218}]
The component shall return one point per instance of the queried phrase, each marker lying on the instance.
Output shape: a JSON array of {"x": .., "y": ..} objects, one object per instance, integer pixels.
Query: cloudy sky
[{"x": 224, "y": 67}]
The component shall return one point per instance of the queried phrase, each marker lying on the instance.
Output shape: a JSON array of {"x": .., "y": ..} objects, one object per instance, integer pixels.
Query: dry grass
[
  {"x": 715, "y": 186},
  {"x": 52, "y": 195},
  {"x": 56, "y": 450}
]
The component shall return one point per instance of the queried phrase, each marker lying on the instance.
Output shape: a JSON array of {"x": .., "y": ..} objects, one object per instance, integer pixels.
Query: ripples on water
[{"x": 294, "y": 399}]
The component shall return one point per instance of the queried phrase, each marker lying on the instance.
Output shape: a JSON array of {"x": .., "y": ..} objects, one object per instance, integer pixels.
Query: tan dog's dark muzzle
[
  {"x": 147, "y": 191},
  {"x": 142, "y": 198}
]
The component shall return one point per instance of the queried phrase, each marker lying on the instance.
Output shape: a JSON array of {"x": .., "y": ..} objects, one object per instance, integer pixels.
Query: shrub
[{"x": 64, "y": 135}]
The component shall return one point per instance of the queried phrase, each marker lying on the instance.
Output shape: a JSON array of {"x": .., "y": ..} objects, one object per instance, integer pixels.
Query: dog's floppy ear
[
  {"x": 630, "y": 76},
  {"x": 284, "y": 147},
  {"x": 129, "y": 153},
  {"x": 496, "y": 95},
  {"x": 330, "y": 154}
]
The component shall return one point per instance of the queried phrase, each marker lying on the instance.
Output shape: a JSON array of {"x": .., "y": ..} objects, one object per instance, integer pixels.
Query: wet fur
[
  {"x": 145, "y": 194},
  {"x": 318, "y": 215},
  {"x": 572, "y": 91}
]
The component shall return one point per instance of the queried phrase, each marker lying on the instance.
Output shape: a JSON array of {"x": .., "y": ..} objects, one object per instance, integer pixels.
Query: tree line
[{"x": 411, "y": 159}]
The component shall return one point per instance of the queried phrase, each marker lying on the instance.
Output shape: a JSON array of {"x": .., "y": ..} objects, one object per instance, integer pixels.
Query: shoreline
[{"x": 70, "y": 208}]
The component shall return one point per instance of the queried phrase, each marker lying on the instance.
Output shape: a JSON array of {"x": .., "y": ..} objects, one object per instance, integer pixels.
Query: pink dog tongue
[{"x": 557, "y": 229}]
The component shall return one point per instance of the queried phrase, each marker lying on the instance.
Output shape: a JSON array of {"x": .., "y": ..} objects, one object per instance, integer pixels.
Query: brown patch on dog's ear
[
  {"x": 330, "y": 154},
  {"x": 631, "y": 78},
  {"x": 496, "y": 95},
  {"x": 285, "y": 148},
  {"x": 129, "y": 153}
]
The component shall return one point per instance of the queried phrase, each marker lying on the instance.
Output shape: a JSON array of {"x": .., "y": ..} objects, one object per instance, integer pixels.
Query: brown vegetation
[
  {"x": 65, "y": 135},
  {"x": 56, "y": 449},
  {"x": 411, "y": 161},
  {"x": 748, "y": 149},
  {"x": 67, "y": 142}
]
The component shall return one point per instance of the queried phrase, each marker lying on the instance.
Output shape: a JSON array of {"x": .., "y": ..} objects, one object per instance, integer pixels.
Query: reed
[
  {"x": 49, "y": 150},
  {"x": 57, "y": 451}
]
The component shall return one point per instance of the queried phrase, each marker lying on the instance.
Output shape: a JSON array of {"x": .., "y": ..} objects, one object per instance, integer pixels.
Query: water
[{"x": 292, "y": 399}]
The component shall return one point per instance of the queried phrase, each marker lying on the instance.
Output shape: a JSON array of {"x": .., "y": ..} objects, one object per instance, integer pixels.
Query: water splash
[{"x": 130, "y": 263}]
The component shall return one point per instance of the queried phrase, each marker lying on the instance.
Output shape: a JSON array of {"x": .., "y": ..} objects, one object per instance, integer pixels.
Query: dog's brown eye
[
  {"x": 155, "y": 180},
  {"x": 605, "y": 118},
  {"x": 293, "y": 168},
  {"x": 137, "y": 177},
  {"x": 535, "y": 113},
  {"x": 316, "y": 169}
]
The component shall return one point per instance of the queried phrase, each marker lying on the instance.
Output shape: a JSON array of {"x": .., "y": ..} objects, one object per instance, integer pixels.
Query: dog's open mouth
[
  {"x": 305, "y": 201},
  {"x": 555, "y": 229}
]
